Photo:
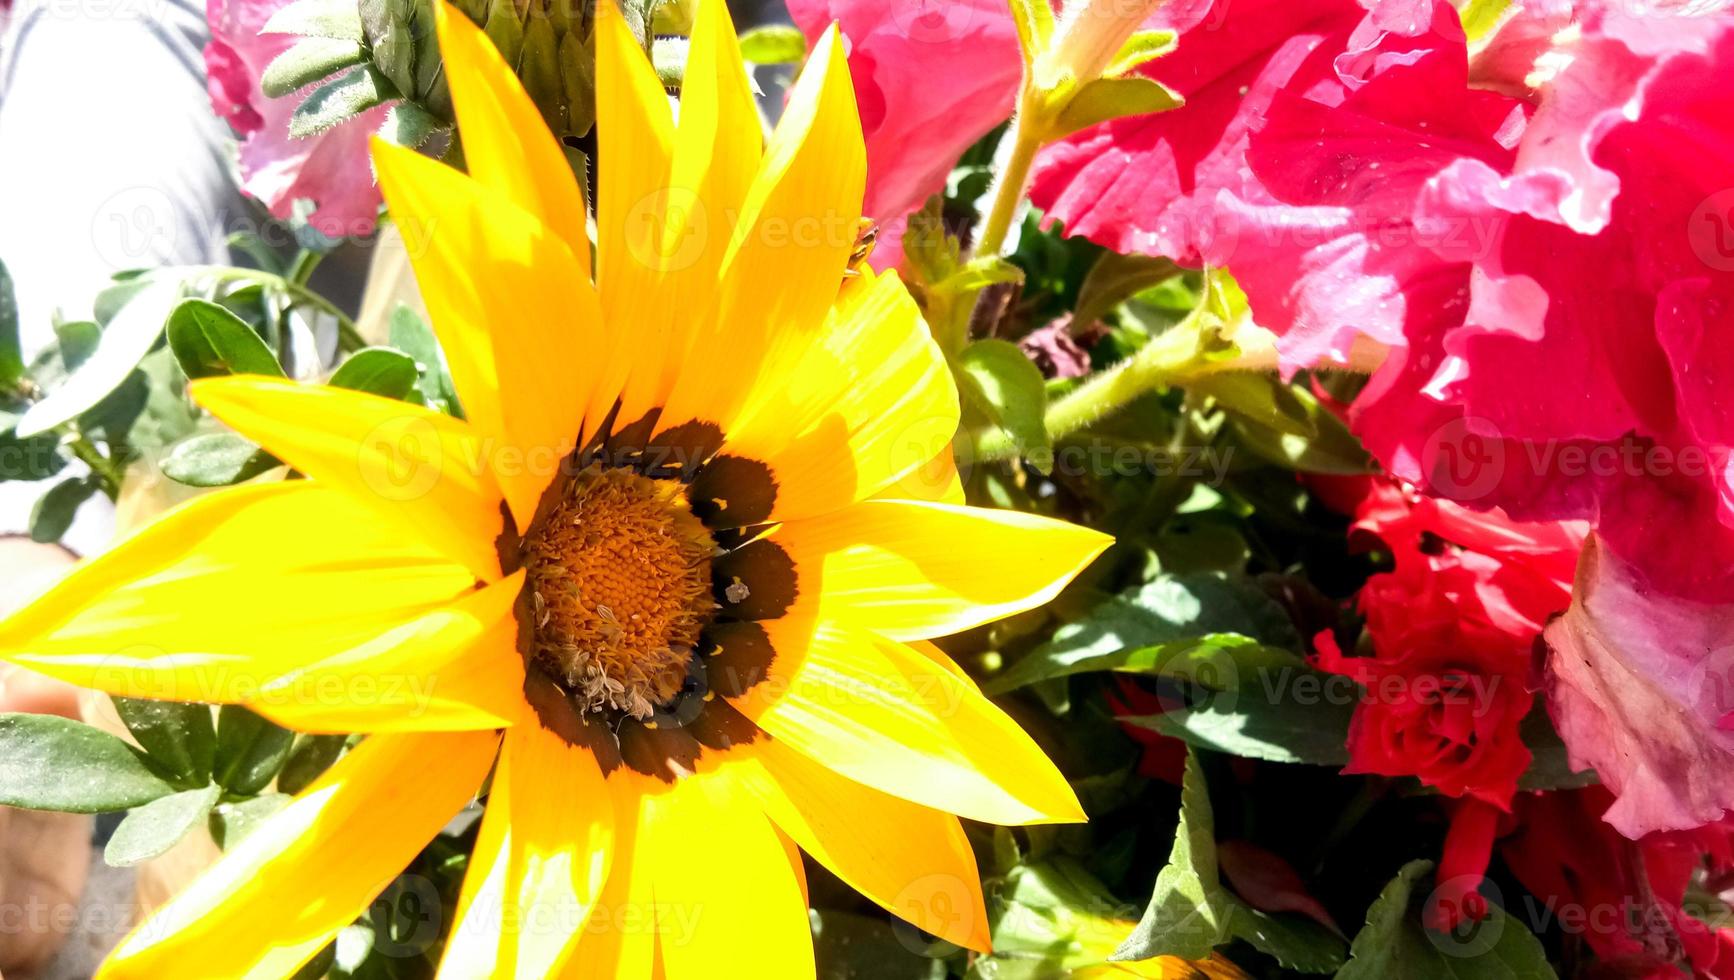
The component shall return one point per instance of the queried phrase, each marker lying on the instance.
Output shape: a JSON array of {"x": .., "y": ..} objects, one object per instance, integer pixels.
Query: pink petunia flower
[
  {"x": 330, "y": 169},
  {"x": 931, "y": 77}
]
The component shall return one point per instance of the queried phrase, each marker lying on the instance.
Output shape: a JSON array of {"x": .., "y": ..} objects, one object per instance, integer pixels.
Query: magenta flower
[
  {"x": 931, "y": 78},
  {"x": 330, "y": 169}
]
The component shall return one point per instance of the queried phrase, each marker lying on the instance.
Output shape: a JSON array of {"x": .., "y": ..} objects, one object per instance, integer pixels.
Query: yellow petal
[
  {"x": 728, "y": 902},
  {"x": 635, "y": 142},
  {"x": 789, "y": 248},
  {"x": 508, "y": 293},
  {"x": 417, "y": 469},
  {"x": 914, "y": 861},
  {"x": 549, "y": 830},
  {"x": 454, "y": 669},
  {"x": 913, "y": 570},
  {"x": 506, "y": 142},
  {"x": 883, "y": 715},
  {"x": 936, "y": 481},
  {"x": 619, "y": 939},
  {"x": 232, "y": 591},
  {"x": 931, "y": 650},
  {"x": 717, "y": 149},
  {"x": 276, "y": 898},
  {"x": 869, "y": 401}
]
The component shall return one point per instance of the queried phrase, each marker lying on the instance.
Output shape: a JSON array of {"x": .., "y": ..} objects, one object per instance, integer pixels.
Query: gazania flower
[{"x": 685, "y": 552}]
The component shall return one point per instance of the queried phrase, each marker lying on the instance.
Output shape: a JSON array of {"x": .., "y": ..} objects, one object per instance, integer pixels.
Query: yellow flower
[{"x": 685, "y": 553}]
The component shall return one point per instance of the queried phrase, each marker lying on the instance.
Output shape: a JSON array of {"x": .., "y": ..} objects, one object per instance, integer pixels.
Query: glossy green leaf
[
  {"x": 308, "y": 760},
  {"x": 230, "y": 823},
  {"x": 378, "y": 371},
  {"x": 1103, "y": 99},
  {"x": 53, "y": 763},
  {"x": 208, "y": 340},
  {"x": 1191, "y": 913},
  {"x": 53, "y": 513},
  {"x": 152, "y": 829},
  {"x": 250, "y": 750},
  {"x": 1141, "y": 48},
  {"x": 1267, "y": 718},
  {"x": 1001, "y": 383},
  {"x": 1394, "y": 943},
  {"x": 178, "y": 737},
  {"x": 216, "y": 459},
  {"x": 774, "y": 44},
  {"x": 411, "y": 334}
]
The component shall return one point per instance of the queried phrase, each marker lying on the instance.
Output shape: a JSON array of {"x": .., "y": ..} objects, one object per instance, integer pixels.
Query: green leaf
[
  {"x": 216, "y": 459},
  {"x": 1287, "y": 425},
  {"x": 11, "y": 352},
  {"x": 312, "y": 755},
  {"x": 1035, "y": 26},
  {"x": 77, "y": 340},
  {"x": 53, "y": 513},
  {"x": 1394, "y": 943},
  {"x": 1116, "y": 278},
  {"x": 1142, "y": 47},
  {"x": 1002, "y": 384},
  {"x": 847, "y": 945},
  {"x": 1212, "y": 659},
  {"x": 1550, "y": 761},
  {"x": 250, "y": 750},
  {"x": 1191, "y": 913},
  {"x": 1112, "y": 98},
  {"x": 36, "y": 458},
  {"x": 317, "y": 18},
  {"x": 178, "y": 737},
  {"x": 53, "y": 763},
  {"x": 377, "y": 371},
  {"x": 152, "y": 829},
  {"x": 774, "y": 44},
  {"x": 1480, "y": 17},
  {"x": 1267, "y": 720},
  {"x": 411, "y": 334},
  {"x": 308, "y": 62},
  {"x": 209, "y": 341},
  {"x": 127, "y": 338},
  {"x": 339, "y": 100},
  {"x": 230, "y": 823}
]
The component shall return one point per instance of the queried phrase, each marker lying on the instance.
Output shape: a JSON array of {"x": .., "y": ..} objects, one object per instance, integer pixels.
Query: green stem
[
  {"x": 104, "y": 468},
  {"x": 1009, "y": 186},
  {"x": 305, "y": 262}
]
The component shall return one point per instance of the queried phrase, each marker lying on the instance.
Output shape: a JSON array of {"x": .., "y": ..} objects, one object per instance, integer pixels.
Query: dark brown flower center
[{"x": 619, "y": 589}]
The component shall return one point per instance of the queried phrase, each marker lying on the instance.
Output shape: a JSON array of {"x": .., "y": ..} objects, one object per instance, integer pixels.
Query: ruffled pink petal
[{"x": 1638, "y": 682}]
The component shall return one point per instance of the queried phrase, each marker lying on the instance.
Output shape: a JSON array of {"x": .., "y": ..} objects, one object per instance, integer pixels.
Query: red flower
[
  {"x": 1623, "y": 897},
  {"x": 1452, "y": 626}
]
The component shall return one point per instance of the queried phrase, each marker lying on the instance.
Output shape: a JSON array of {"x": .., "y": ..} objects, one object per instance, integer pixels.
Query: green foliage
[
  {"x": 130, "y": 331},
  {"x": 209, "y": 341},
  {"x": 773, "y": 44},
  {"x": 178, "y": 737},
  {"x": 250, "y": 750},
  {"x": 1191, "y": 913},
  {"x": 53, "y": 512},
  {"x": 52, "y": 763},
  {"x": 216, "y": 459},
  {"x": 1395, "y": 944},
  {"x": 1002, "y": 389},
  {"x": 11, "y": 355},
  {"x": 152, "y": 829},
  {"x": 378, "y": 371},
  {"x": 308, "y": 760}
]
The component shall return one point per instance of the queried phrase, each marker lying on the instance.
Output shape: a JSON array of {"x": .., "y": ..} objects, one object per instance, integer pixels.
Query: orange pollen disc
[{"x": 619, "y": 585}]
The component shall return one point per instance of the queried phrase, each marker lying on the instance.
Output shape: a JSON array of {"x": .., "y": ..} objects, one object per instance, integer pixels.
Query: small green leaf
[
  {"x": 127, "y": 338},
  {"x": 308, "y": 62},
  {"x": 179, "y": 737},
  {"x": 77, "y": 340},
  {"x": 312, "y": 755},
  {"x": 36, "y": 458},
  {"x": 339, "y": 100},
  {"x": 53, "y": 763},
  {"x": 774, "y": 44},
  {"x": 1191, "y": 913},
  {"x": 377, "y": 371},
  {"x": 152, "y": 829},
  {"x": 317, "y": 18},
  {"x": 216, "y": 459},
  {"x": 1112, "y": 98},
  {"x": 1002, "y": 384},
  {"x": 1394, "y": 943},
  {"x": 209, "y": 341},
  {"x": 1480, "y": 17},
  {"x": 250, "y": 750},
  {"x": 1116, "y": 278},
  {"x": 1034, "y": 20},
  {"x": 53, "y": 513},
  {"x": 11, "y": 353},
  {"x": 506, "y": 31},
  {"x": 1265, "y": 719},
  {"x": 850, "y": 945},
  {"x": 230, "y": 823},
  {"x": 1296, "y": 432},
  {"x": 412, "y": 335},
  {"x": 1550, "y": 760}
]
